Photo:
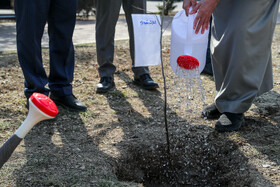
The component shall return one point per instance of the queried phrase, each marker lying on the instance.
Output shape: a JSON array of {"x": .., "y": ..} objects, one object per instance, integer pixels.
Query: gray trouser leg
[
  {"x": 107, "y": 13},
  {"x": 134, "y": 7}
]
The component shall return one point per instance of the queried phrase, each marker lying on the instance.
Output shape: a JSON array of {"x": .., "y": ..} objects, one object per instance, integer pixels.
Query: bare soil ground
[{"x": 121, "y": 139}]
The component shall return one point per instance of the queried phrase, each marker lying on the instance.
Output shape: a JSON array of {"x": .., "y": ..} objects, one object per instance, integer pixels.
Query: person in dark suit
[
  {"x": 31, "y": 18},
  {"x": 107, "y": 13}
]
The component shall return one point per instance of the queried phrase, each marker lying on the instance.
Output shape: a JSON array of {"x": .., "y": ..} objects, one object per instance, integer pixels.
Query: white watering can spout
[{"x": 41, "y": 108}]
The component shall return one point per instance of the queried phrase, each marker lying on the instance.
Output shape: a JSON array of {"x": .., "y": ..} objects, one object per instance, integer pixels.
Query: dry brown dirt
[{"x": 121, "y": 139}]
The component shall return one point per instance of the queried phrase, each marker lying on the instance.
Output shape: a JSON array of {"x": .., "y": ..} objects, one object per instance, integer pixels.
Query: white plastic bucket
[{"x": 184, "y": 41}]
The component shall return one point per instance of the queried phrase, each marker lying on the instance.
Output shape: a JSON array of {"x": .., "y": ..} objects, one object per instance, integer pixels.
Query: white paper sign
[{"x": 146, "y": 39}]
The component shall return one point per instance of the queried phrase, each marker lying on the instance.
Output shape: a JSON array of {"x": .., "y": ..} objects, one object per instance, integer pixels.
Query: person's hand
[
  {"x": 205, "y": 8},
  {"x": 187, "y": 4}
]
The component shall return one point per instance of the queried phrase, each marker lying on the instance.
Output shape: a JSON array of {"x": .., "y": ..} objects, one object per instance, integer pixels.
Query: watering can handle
[
  {"x": 188, "y": 48},
  {"x": 190, "y": 26}
]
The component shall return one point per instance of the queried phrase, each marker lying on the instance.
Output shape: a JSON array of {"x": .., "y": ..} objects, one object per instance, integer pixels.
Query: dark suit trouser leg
[
  {"x": 107, "y": 13},
  {"x": 61, "y": 24},
  {"x": 134, "y": 7},
  {"x": 31, "y": 18}
]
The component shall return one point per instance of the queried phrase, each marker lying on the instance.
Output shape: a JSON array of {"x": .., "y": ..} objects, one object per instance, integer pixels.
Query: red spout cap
[
  {"x": 44, "y": 103},
  {"x": 187, "y": 62}
]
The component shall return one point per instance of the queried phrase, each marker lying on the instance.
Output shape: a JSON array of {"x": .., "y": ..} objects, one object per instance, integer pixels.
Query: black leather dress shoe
[
  {"x": 211, "y": 112},
  {"x": 70, "y": 102},
  {"x": 229, "y": 122},
  {"x": 145, "y": 81},
  {"x": 105, "y": 84}
]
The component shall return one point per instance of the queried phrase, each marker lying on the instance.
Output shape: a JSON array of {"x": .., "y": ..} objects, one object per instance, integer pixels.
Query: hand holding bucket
[{"x": 41, "y": 108}]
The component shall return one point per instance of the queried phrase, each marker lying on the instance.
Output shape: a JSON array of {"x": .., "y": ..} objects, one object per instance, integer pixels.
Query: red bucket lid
[
  {"x": 187, "y": 62},
  {"x": 44, "y": 103}
]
